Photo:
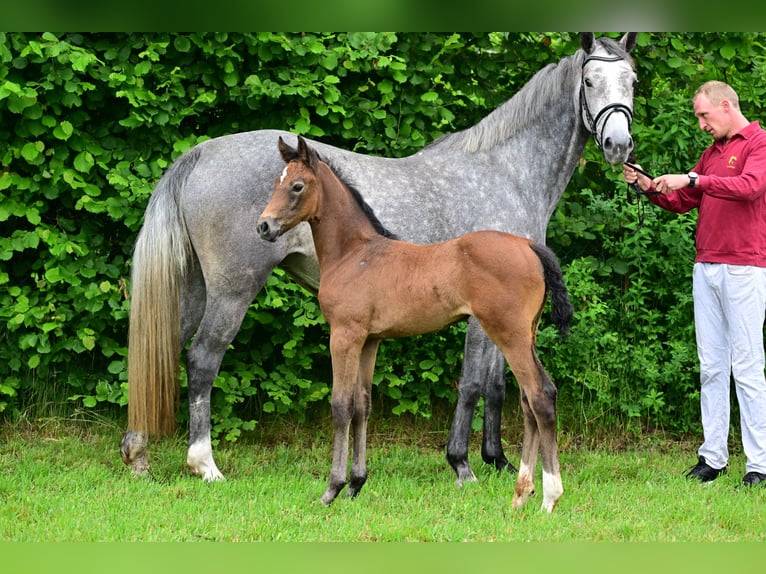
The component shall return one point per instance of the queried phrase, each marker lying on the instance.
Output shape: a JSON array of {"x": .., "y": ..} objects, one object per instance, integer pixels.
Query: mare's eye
[
  {"x": 588, "y": 83},
  {"x": 297, "y": 187}
]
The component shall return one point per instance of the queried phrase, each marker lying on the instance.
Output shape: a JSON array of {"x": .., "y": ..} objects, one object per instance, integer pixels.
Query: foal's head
[{"x": 295, "y": 194}]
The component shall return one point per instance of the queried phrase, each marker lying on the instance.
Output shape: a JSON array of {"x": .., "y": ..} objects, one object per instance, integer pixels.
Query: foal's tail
[
  {"x": 562, "y": 310},
  {"x": 160, "y": 260}
]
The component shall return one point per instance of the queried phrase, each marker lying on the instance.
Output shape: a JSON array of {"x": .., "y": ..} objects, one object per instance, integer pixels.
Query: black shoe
[
  {"x": 754, "y": 479},
  {"x": 703, "y": 472}
]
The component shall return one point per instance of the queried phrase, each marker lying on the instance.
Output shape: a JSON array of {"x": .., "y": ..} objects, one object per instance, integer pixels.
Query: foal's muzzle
[{"x": 268, "y": 228}]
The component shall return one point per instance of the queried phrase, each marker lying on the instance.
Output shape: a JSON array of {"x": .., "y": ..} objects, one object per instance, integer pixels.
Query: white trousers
[{"x": 729, "y": 308}]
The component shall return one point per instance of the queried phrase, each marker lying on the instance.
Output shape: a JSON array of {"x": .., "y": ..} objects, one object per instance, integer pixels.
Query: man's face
[{"x": 713, "y": 119}]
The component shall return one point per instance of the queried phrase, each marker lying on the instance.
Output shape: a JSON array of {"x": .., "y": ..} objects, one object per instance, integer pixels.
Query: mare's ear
[
  {"x": 307, "y": 154},
  {"x": 587, "y": 41},
  {"x": 628, "y": 41},
  {"x": 288, "y": 154}
]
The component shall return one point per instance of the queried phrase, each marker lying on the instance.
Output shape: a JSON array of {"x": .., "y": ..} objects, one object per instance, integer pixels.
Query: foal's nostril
[{"x": 263, "y": 229}]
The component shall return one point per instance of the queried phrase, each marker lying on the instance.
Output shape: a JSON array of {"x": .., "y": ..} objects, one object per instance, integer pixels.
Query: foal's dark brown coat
[{"x": 373, "y": 287}]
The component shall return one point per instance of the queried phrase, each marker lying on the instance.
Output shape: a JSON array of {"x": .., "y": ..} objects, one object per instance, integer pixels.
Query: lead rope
[{"x": 638, "y": 194}]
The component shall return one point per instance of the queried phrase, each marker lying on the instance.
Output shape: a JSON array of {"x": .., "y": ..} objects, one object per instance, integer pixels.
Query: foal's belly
[{"x": 405, "y": 319}]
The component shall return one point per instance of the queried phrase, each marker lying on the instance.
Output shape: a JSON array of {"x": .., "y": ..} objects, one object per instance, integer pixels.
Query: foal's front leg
[
  {"x": 539, "y": 405},
  {"x": 345, "y": 368},
  {"x": 361, "y": 416}
]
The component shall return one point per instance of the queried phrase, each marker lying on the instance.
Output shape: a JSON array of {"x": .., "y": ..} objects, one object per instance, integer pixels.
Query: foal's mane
[
  {"x": 366, "y": 209},
  {"x": 523, "y": 109}
]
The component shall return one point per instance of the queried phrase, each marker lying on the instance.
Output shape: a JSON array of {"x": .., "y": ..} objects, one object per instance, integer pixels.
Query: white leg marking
[
  {"x": 552, "y": 490},
  {"x": 525, "y": 486},
  {"x": 200, "y": 459},
  {"x": 470, "y": 478}
]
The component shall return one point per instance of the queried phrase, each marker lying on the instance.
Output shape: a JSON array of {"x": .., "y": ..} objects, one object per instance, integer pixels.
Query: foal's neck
[{"x": 340, "y": 224}]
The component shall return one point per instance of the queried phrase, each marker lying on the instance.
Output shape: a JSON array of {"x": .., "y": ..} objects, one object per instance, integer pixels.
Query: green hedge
[{"x": 89, "y": 122}]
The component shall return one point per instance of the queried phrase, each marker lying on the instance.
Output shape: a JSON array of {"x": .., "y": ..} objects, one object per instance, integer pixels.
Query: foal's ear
[
  {"x": 307, "y": 154},
  {"x": 288, "y": 154},
  {"x": 628, "y": 41},
  {"x": 587, "y": 41}
]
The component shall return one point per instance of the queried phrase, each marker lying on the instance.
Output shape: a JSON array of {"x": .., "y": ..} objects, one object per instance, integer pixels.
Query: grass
[{"x": 64, "y": 481}]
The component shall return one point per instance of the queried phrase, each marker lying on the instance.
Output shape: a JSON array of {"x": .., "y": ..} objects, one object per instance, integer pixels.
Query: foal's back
[{"x": 393, "y": 288}]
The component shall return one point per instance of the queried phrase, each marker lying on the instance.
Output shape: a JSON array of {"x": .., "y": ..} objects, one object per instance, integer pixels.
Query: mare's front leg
[
  {"x": 483, "y": 373},
  {"x": 362, "y": 405},
  {"x": 345, "y": 349}
]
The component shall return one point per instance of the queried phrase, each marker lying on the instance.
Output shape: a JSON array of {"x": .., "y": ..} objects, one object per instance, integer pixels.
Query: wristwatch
[{"x": 692, "y": 178}]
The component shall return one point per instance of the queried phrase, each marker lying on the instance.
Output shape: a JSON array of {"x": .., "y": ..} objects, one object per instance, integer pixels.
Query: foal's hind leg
[
  {"x": 539, "y": 405},
  {"x": 525, "y": 483},
  {"x": 361, "y": 416}
]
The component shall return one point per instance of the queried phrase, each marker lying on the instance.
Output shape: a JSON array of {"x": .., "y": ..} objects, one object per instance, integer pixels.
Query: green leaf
[
  {"x": 33, "y": 215},
  {"x": 182, "y": 44},
  {"x": 728, "y": 51},
  {"x": 116, "y": 367},
  {"x": 53, "y": 275},
  {"x": 83, "y": 162},
  {"x": 32, "y": 150},
  {"x": 63, "y": 130}
]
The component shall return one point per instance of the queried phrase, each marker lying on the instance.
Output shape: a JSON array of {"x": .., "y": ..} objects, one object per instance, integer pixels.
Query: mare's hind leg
[
  {"x": 483, "y": 373},
  {"x": 133, "y": 445},
  {"x": 222, "y": 319},
  {"x": 361, "y": 416}
]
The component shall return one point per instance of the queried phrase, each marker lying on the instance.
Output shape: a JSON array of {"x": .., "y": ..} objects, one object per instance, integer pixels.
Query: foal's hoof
[
  {"x": 520, "y": 500},
  {"x": 549, "y": 505}
]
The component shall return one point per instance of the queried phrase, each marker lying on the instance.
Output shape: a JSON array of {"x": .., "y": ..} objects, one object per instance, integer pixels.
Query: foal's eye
[{"x": 297, "y": 187}]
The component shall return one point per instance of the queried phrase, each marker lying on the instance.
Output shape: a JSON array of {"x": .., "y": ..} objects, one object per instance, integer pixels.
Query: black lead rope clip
[{"x": 638, "y": 193}]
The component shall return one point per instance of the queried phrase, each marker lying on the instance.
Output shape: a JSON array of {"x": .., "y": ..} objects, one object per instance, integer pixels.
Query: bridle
[{"x": 607, "y": 110}]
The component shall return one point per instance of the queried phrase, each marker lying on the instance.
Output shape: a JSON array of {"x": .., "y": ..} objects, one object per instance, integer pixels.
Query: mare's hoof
[
  {"x": 465, "y": 475},
  {"x": 133, "y": 453}
]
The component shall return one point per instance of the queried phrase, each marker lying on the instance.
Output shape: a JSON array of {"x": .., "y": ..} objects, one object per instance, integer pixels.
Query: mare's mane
[{"x": 523, "y": 109}]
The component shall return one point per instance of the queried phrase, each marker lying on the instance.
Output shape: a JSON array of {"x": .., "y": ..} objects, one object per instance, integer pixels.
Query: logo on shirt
[{"x": 732, "y": 162}]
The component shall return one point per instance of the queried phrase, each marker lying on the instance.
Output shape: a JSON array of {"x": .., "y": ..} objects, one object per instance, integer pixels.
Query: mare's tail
[
  {"x": 160, "y": 259},
  {"x": 562, "y": 310}
]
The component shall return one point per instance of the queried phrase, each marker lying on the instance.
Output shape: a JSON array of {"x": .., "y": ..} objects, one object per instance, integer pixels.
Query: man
[{"x": 728, "y": 186}]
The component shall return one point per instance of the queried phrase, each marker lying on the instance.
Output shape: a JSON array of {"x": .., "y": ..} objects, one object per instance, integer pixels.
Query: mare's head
[
  {"x": 606, "y": 93},
  {"x": 295, "y": 191}
]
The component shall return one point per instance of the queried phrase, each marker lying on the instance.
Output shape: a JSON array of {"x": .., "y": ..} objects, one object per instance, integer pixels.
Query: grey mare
[{"x": 198, "y": 262}]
